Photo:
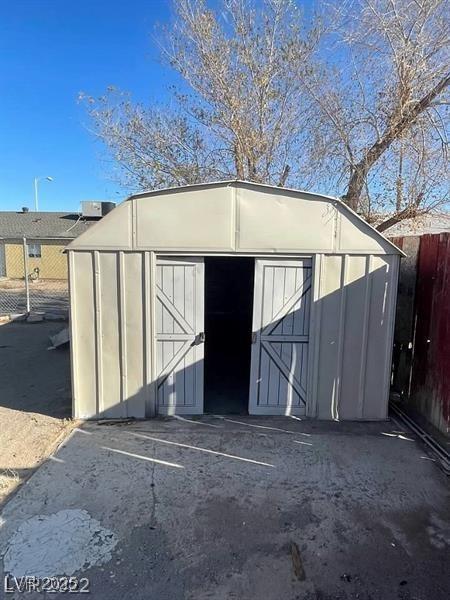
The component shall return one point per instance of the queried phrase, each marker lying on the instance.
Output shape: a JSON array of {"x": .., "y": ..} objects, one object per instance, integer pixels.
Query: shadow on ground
[{"x": 34, "y": 379}]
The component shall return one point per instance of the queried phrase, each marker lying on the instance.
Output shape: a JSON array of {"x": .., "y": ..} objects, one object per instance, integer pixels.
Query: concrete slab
[{"x": 245, "y": 508}]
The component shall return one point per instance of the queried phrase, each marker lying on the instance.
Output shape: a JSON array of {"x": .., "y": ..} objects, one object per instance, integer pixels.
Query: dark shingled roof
[{"x": 41, "y": 225}]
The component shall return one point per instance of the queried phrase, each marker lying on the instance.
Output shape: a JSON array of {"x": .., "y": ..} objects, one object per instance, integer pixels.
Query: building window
[{"x": 34, "y": 250}]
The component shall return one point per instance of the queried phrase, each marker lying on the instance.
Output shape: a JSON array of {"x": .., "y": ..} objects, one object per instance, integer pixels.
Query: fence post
[{"x": 25, "y": 266}]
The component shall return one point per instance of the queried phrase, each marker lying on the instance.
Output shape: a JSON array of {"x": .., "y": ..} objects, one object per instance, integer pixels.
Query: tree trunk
[{"x": 238, "y": 162}]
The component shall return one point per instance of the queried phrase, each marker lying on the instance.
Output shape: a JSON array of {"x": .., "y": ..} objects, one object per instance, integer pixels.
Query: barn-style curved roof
[{"x": 234, "y": 217}]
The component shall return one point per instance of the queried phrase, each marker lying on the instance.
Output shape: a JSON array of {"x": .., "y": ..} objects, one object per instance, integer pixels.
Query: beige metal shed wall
[
  {"x": 351, "y": 336},
  {"x": 354, "y": 318},
  {"x": 108, "y": 334}
]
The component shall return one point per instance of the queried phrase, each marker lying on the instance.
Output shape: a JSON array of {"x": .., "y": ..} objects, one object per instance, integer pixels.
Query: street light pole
[
  {"x": 36, "y": 203},
  {"x": 36, "y": 198}
]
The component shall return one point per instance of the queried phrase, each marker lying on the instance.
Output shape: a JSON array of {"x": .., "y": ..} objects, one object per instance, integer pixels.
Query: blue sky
[{"x": 50, "y": 50}]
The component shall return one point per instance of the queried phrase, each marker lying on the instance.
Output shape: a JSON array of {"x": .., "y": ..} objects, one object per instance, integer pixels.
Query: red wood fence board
[{"x": 430, "y": 383}]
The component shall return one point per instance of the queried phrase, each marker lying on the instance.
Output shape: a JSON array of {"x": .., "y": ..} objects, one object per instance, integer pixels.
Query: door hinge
[{"x": 254, "y": 336}]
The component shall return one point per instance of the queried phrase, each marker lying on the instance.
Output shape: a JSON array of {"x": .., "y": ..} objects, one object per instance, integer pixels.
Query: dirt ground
[
  {"x": 47, "y": 295},
  {"x": 35, "y": 399}
]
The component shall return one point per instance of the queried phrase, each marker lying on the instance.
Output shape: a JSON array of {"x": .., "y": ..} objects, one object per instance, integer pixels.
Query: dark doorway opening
[{"x": 228, "y": 330}]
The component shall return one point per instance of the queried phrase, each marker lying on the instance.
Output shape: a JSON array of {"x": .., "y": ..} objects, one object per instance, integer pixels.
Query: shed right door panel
[{"x": 281, "y": 322}]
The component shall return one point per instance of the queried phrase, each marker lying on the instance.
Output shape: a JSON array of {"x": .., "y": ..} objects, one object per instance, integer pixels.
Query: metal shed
[{"x": 232, "y": 297}]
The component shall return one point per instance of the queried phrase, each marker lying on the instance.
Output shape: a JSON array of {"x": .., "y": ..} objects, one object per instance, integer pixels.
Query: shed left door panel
[{"x": 179, "y": 335}]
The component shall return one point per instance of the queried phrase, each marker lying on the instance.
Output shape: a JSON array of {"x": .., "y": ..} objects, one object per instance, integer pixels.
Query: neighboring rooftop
[
  {"x": 431, "y": 223},
  {"x": 42, "y": 225}
]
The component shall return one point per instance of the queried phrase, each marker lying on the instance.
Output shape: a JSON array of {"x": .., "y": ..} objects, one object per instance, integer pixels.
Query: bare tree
[
  {"x": 241, "y": 109},
  {"x": 355, "y": 107},
  {"x": 381, "y": 118},
  {"x": 154, "y": 147}
]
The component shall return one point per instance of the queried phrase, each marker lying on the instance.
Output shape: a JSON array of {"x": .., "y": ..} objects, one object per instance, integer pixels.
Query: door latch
[
  {"x": 199, "y": 338},
  {"x": 254, "y": 337}
]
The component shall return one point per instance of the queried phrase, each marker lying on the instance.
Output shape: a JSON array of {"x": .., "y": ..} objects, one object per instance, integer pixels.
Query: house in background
[
  {"x": 47, "y": 234},
  {"x": 436, "y": 222}
]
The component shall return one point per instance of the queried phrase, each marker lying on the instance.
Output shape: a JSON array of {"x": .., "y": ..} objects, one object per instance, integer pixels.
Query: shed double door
[
  {"x": 279, "y": 354},
  {"x": 281, "y": 309},
  {"x": 179, "y": 335}
]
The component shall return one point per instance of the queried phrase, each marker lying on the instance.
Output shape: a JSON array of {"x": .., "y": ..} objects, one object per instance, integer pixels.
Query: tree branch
[
  {"x": 407, "y": 213},
  {"x": 356, "y": 183},
  {"x": 284, "y": 176}
]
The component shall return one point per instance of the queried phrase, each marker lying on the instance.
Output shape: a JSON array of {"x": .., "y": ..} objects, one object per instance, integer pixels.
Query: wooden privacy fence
[{"x": 422, "y": 334}]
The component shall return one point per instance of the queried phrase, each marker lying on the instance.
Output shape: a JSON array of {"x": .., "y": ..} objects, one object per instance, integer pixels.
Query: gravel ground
[{"x": 35, "y": 400}]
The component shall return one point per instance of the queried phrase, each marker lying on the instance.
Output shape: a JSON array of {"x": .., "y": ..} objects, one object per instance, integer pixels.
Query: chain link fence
[{"x": 33, "y": 277}]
